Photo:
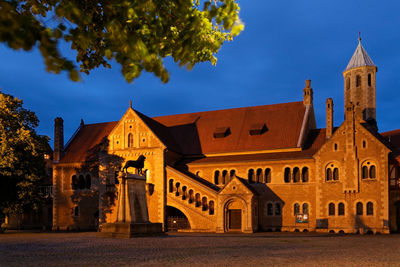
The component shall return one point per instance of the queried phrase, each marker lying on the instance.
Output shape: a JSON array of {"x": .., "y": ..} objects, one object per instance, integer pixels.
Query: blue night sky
[{"x": 283, "y": 44}]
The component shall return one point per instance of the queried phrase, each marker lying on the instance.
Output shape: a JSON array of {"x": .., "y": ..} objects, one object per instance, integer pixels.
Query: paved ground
[{"x": 260, "y": 249}]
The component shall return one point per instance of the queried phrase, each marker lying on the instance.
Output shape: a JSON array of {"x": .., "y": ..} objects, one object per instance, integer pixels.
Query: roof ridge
[{"x": 227, "y": 109}]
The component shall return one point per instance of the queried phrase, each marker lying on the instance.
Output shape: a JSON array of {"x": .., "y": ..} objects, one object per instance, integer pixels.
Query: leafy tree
[
  {"x": 22, "y": 164},
  {"x": 138, "y": 34}
]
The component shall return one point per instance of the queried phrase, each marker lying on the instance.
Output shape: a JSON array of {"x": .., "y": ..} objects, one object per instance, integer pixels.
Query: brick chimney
[
  {"x": 308, "y": 94},
  {"x": 58, "y": 139},
  {"x": 329, "y": 117}
]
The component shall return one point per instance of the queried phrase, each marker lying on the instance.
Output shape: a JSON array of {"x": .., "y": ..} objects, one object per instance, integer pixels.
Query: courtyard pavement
[{"x": 198, "y": 249}]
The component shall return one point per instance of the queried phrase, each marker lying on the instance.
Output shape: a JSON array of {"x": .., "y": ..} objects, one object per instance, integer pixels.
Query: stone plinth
[
  {"x": 132, "y": 213},
  {"x": 128, "y": 230}
]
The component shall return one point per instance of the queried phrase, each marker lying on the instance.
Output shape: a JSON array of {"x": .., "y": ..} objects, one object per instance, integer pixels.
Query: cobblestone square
[{"x": 198, "y": 249}]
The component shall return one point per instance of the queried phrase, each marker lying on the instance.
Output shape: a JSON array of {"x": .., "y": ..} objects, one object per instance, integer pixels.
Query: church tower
[{"x": 359, "y": 85}]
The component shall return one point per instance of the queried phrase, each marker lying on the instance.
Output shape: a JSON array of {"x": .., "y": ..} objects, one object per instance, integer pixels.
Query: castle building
[{"x": 262, "y": 168}]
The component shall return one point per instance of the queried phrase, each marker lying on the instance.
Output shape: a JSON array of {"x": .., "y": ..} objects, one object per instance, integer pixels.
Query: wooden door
[{"x": 235, "y": 219}]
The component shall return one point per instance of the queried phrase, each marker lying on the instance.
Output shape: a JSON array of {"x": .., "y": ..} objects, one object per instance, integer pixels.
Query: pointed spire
[
  {"x": 130, "y": 103},
  {"x": 360, "y": 57}
]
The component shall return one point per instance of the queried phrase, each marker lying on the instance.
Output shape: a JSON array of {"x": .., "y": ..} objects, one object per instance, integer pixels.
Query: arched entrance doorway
[
  {"x": 233, "y": 216},
  {"x": 176, "y": 220}
]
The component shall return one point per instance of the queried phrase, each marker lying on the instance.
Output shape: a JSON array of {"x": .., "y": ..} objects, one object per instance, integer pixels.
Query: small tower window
[
  {"x": 370, "y": 208},
  {"x": 348, "y": 83},
  {"x": 369, "y": 79},
  {"x": 296, "y": 208},
  {"x": 341, "y": 209},
  {"x": 305, "y": 208},
  {"x": 359, "y": 208},
  {"x": 304, "y": 175},
  {"x": 358, "y": 80},
  {"x": 335, "y": 174},
  {"x": 335, "y": 146},
  {"x": 372, "y": 172},
  {"x": 331, "y": 209}
]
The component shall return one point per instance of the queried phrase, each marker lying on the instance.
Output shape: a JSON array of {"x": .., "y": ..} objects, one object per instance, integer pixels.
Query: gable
[
  {"x": 133, "y": 132},
  {"x": 237, "y": 186}
]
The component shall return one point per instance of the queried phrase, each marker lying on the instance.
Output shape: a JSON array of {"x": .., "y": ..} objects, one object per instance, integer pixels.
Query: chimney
[
  {"x": 58, "y": 139},
  {"x": 329, "y": 118},
  {"x": 308, "y": 94}
]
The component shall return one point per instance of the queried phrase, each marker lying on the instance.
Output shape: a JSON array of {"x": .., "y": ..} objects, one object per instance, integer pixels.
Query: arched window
[
  {"x": 364, "y": 172},
  {"x": 171, "y": 185},
  {"x": 304, "y": 175},
  {"x": 267, "y": 175},
  {"x": 329, "y": 174},
  {"x": 81, "y": 182},
  {"x": 269, "y": 209},
  {"x": 359, "y": 208},
  {"x": 204, "y": 204},
  {"x": 191, "y": 198},
  {"x": 88, "y": 181},
  {"x": 296, "y": 175},
  {"x": 278, "y": 209},
  {"x": 251, "y": 175},
  {"x": 335, "y": 174},
  {"x": 198, "y": 201},
  {"x": 331, "y": 209},
  {"x": 74, "y": 182},
  {"x": 369, "y": 79},
  {"x": 341, "y": 209},
  {"x": 287, "y": 175},
  {"x": 216, "y": 177},
  {"x": 305, "y": 208},
  {"x": 177, "y": 189},
  {"x": 184, "y": 188},
  {"x": 259, "y": 176},
  {"x": 130, "y": 140},
  {"x": 296, "y": 208},
  {"x": 335, "y": 146},
  {"x": 358, "y": 80},
  {"x": 224, "y": 176},
  {"x": 370, "y": 208},
  {"x": 211, "y": 207},
  {"x": 348, "y": 83},
  {"x": 232, "y": 174},
  {"x": 364, "y": 144},
  {"x": 372, "y": 172}
]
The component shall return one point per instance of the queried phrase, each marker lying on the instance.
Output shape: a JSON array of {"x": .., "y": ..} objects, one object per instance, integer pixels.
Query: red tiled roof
[
  {"x": 283, "y": 122},
  {"x": 193, "y": 133},
  {"x": 87, "y": 137},
  {"x": 316, "y": 138}
]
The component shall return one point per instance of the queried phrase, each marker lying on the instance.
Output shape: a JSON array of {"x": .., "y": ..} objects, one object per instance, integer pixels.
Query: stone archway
[
  {"x": 176, "y": 220},
  {"x": 235, "y": 215}
]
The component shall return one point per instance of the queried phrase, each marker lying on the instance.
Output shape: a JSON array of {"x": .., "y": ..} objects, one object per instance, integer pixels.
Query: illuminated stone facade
[{"x": 265, "y": 168}]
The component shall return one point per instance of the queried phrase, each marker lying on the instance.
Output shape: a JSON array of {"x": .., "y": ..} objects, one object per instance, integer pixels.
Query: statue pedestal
[{"x": 132, "y": 213}]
